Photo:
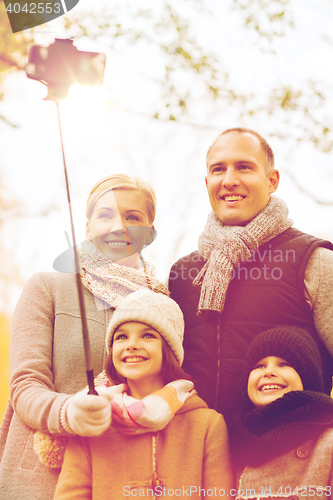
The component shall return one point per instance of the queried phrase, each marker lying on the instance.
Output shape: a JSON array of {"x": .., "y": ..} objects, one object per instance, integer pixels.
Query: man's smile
[{"x": 230, "y": 198}]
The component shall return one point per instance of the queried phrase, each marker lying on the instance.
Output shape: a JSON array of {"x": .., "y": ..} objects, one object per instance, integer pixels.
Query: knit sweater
[
  {"x": 47, "y": 364},
  {"x": 192, "y": 451}
]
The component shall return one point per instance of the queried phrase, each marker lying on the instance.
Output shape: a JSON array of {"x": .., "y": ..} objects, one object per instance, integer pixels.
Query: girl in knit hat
[
  {"x": 163, "y": 440},
  {"x": 282, "y": 441}
]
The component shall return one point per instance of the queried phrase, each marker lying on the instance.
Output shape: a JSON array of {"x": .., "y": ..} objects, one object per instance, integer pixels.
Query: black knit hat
[{"x": 293, "y": 344}]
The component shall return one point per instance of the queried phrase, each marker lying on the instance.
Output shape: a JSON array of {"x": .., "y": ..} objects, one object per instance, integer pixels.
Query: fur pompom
[{"x": 50, "y": 449}]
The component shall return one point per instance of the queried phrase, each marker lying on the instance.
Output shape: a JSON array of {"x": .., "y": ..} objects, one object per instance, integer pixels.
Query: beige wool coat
[
  {"x": 47, "y": 364},
  {"x": 190, "y": 453}
]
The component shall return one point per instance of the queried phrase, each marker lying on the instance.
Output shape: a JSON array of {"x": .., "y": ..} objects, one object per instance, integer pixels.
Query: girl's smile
[
  {"x": 133, "y": 359},
  {"x": 137, "y": 356},
  {"x": 270, "y": 379}
]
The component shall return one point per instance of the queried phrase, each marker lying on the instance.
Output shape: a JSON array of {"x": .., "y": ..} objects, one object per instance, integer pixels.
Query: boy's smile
[
  {"x": 270, "y": 379},
  {"x": 271, "y": 387}
]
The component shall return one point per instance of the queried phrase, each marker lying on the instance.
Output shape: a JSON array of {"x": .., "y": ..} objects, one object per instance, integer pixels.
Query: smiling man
[
  {"x": 239, "y": 180},
  {"x": 252, "y": 271}
]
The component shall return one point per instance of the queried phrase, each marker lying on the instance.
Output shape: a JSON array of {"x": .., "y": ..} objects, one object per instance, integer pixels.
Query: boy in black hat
[{"x": 282, "y": 441}]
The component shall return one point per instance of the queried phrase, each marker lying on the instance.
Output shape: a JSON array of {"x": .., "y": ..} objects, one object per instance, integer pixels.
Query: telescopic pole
[
  {"x": 58, "y": 66},
  {"x": 86, "y": 343}
]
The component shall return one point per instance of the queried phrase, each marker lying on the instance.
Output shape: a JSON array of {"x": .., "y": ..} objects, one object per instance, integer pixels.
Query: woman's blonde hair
[{"x": 125, "y": 182}]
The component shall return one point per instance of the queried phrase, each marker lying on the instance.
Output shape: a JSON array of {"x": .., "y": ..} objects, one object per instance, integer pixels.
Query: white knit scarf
[
  {"x": 224, "y": 247},
  {"x": 112, "y": 282}
]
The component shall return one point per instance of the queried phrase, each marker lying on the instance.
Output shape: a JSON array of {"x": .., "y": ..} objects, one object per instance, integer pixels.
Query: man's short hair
[{"x": 269, "y": 155}]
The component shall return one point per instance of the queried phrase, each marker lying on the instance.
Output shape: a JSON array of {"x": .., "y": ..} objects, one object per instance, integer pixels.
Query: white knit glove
[{"x": 87, "y": 415}]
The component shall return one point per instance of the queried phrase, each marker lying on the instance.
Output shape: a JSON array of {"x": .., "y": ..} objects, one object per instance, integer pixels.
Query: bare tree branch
[{"x": 303, "y": 190}]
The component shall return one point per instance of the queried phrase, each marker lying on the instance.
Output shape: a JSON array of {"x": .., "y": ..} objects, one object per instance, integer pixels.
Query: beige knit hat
[{"x": 156, "y": 310}]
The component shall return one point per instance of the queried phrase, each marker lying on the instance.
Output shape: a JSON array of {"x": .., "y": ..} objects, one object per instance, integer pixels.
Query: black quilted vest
[{"x": 266, "y": 291}]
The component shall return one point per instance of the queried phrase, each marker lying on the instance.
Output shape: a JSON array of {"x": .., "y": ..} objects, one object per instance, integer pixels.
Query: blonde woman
[{"x": 47, "y": 356}]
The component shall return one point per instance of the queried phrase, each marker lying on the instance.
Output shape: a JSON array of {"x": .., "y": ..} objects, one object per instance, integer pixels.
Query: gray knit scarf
[
  {"x": 224, "y": 247},
  {"x": 112, "y": 282}
]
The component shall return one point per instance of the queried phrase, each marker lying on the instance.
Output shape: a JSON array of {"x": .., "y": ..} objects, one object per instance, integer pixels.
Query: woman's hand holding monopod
[{"x": 87, "y": 415}]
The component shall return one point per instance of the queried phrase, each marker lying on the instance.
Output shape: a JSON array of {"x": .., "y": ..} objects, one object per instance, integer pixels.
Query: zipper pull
[{"x": 156, "y": 481}]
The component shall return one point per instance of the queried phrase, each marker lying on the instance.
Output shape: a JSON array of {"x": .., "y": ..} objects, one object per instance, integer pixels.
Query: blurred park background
[{"x": 177, "y": 74}]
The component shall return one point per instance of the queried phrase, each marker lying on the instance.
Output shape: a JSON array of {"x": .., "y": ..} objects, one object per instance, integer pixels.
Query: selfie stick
[
  {"x": 58, "y": 66},
  {"x": 86, "y": 343}
]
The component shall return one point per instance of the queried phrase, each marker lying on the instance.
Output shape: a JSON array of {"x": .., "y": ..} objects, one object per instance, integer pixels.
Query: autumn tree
[
  {"x": 187, "y": 73},
  {"x": 193, "y": 81},
  {"x": 13, "y": 50}
]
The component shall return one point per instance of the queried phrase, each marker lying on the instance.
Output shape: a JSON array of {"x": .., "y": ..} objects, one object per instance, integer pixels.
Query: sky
[{"x": 110, "y": 130}]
